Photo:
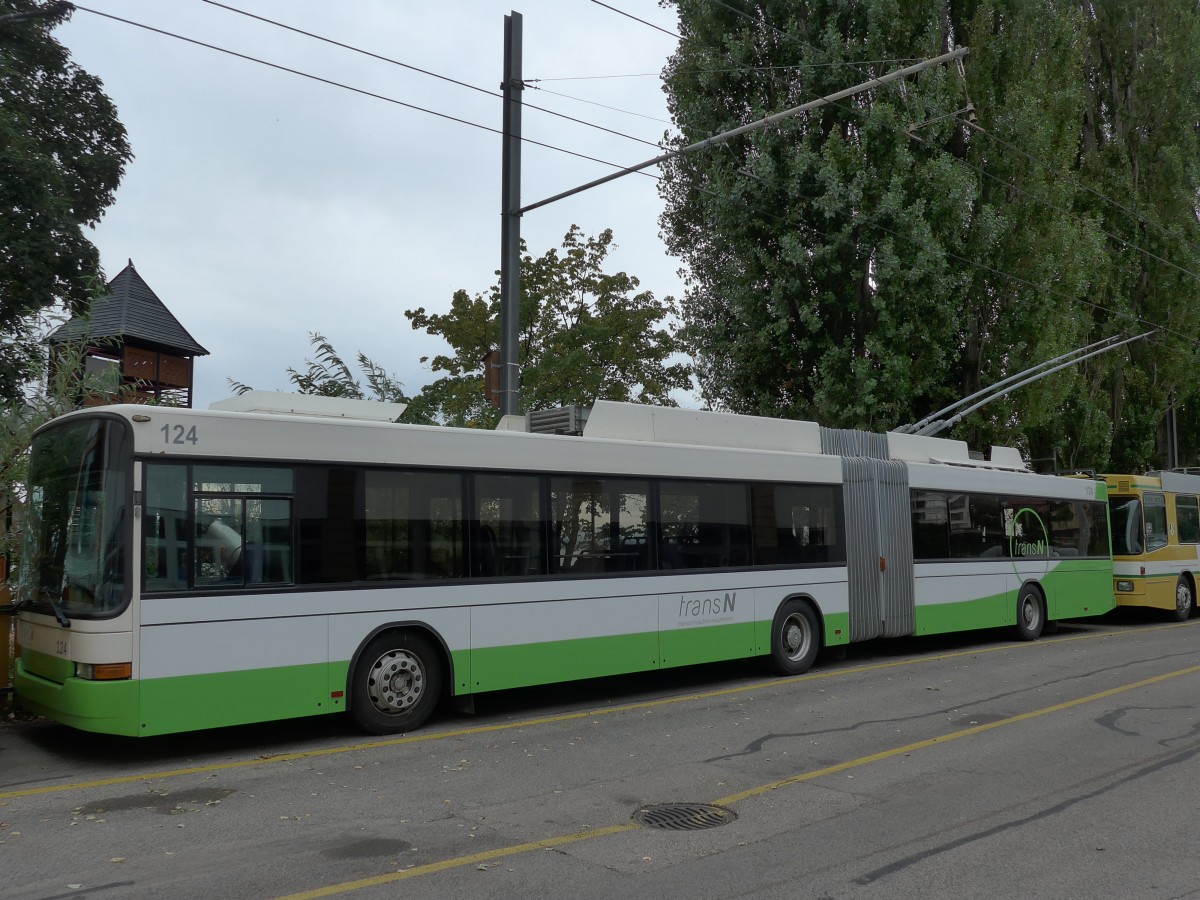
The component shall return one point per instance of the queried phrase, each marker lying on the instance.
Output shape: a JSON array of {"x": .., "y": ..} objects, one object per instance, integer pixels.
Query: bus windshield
[
  {"x": 75, "y": 535},
  {"x": 1127, "y": 533}
]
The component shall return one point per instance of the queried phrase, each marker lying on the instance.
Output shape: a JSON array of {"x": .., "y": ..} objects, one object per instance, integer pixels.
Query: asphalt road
[{"x": 973, "y": 766}]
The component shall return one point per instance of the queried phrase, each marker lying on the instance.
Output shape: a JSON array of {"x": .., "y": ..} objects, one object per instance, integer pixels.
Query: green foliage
[
  {"x": 66, "y": 387},
  {"x": 62, "y": 154},
  {"x": 818, "y": 248},
  {"x": 328, "y": 375},
  {"x": 873, "y": 260},
  {"x": 471, "y": 328},
  {"x": 1140, "y": 146},
  {"x": 584, "y": 335}
]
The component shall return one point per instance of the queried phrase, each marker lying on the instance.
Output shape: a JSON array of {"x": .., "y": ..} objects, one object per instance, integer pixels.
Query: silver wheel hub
[
  {"x": 795, "y": 637},
  {"x": 1029, "y": 612},
  {"x": 396, "y": 682},
  {"x": 1183, "y": 597}
]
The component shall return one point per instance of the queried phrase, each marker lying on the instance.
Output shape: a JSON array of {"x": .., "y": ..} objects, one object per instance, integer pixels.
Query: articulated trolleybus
[{"x": 191, "y": 569}]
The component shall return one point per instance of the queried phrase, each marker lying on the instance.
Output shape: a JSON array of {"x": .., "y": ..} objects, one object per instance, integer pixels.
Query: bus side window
[
  {"x": 327, "y": 551},
  {"x": 1067, "y": 528},
  {"x": 598, "y": 525},
  {"x": 1155, "y": 506},
  {"x": 704, "y": 524},
  {"x": 243, "y": 535},
  {"x": 796, "y": 524},
  {"x": 930, "y": 524},
  {"x": 987, "y": 514},
  {"x": 267, "y": 558},
  {"x": 411, "y": 525},
  {"x": 1187, "y": 515},
  {"x": 507, "y": 533},
  {"x": 165, "y": 528},
  {"x": 220, "y": 544}
]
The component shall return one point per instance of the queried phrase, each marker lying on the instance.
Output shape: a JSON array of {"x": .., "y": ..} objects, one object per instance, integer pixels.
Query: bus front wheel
[
  {"x": 1031, "y": 614},
  {"x": 1184, "y": 601},
  {"x": 396, "y": 683},
  {"x": 795, "y": 638}
]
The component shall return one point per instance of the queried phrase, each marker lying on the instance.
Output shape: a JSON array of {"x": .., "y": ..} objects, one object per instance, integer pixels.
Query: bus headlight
[
  {"x": 1124, "y": 585},
  {"x": 104, "y": 671}
]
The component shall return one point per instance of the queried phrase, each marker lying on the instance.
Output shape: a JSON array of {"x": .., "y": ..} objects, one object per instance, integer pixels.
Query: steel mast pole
[{"x": 510, "y": 222}]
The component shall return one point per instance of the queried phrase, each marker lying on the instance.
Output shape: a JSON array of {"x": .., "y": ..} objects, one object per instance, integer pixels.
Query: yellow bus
[{"x": 1155, "y": 521}]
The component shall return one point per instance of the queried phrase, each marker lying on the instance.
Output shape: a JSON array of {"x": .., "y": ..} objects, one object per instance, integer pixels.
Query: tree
[
  {"x": 584, "y": 335},
  {"x": 67, "y": 386},
  {"x": 1031, "y": 259},
  {"x": 62, "y": 154},
  {"x": 878, "y": 258},
  {"x": 1140, "y": 145},
  {"x": 328, "y": 375}
]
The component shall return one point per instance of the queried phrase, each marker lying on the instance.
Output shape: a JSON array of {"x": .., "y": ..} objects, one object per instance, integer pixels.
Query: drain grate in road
[{"x": 683, "y": 816}]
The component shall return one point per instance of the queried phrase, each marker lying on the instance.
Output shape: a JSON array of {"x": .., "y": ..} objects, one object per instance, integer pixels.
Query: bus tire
[
  {"x": 795, "y": 638},
  {"x": 1031, "y": 613},
  {"x": 1185, "y": 600},
  {"x": 397, "y": 683}
]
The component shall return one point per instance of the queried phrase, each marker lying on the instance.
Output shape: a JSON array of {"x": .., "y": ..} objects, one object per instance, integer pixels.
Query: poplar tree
[
  {"x": 1140, "y": 160},
  {"x": 871, "y": 261}
]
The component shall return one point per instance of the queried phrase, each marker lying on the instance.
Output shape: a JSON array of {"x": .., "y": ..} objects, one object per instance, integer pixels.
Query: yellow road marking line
[
  {"x": 953, "y": 736},
  {"x": 547, "y": 720},
  {"x": 459, "y": 862}
]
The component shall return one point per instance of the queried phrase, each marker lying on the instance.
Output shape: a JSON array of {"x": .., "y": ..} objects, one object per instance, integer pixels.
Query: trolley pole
[{"x": 510, "y": 222}]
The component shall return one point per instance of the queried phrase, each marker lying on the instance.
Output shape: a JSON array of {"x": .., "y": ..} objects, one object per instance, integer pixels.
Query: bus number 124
[{"x": 179, "y": 434}]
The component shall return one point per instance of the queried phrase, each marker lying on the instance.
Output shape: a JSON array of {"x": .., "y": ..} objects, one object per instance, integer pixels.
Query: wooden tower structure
[{"x": 132, "y": 335}]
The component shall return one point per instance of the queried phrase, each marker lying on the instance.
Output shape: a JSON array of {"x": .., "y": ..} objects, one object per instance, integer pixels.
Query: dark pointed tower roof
[{"x": 132, "y": 312}]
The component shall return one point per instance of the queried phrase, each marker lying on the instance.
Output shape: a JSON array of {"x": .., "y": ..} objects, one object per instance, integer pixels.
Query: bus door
[{"x": 879, "y": 553}]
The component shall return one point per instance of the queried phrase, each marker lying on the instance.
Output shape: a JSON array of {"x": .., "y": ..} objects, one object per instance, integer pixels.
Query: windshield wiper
[{"x": 53, "y": 599}]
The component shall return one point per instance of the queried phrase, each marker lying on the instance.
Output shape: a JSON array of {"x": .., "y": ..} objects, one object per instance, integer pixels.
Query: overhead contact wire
[{"x": 348, "y": 87}]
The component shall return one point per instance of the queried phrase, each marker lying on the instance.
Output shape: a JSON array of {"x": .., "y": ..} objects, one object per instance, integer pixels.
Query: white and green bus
[{"x": 188, "y": 569}]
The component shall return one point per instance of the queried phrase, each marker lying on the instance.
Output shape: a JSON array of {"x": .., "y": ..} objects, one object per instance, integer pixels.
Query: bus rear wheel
[
  {"x": 795, "y": 638},
  {"x": 396, "y": 684},
  {"x": 1031, "y": 614},
  {"x": 1184, "y": 600}
]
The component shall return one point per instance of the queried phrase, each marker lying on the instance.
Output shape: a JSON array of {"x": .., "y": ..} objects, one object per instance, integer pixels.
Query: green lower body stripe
[
  {"x": 190, "y": 702},
  {"x": 498, "y": 668},
  {"x": 236, "y": 698}
]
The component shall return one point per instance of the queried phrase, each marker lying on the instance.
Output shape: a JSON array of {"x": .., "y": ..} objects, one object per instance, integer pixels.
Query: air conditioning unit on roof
[{"x": 563, "y": 420}]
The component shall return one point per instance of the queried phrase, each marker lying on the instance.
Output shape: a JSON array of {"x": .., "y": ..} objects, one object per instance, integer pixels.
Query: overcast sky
[{"x": 262, "y": 205}]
